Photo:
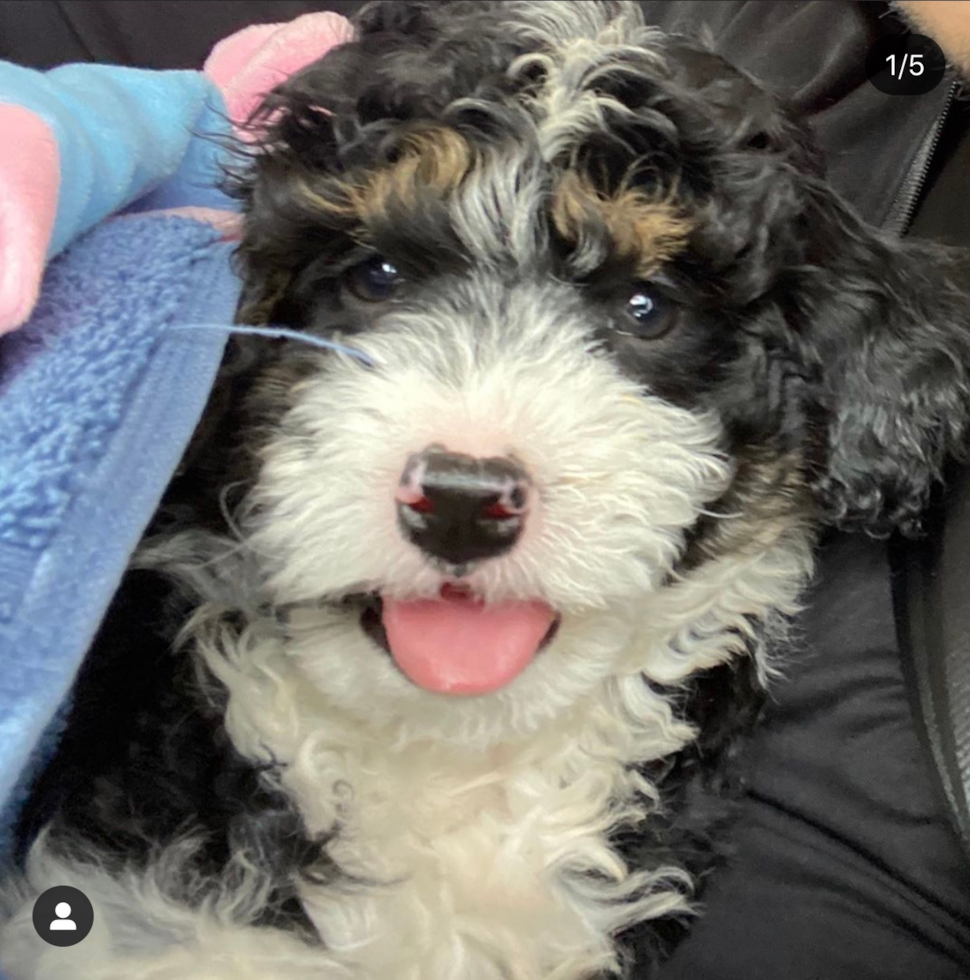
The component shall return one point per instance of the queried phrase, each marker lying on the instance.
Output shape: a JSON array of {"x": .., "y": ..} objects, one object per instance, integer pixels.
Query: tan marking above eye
[
  {"x": 647, "y": 229},
  {"x": 434, "y": 159}
]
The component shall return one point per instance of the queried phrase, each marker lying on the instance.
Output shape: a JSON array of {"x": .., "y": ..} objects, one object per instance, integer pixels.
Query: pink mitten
[{"x": 253, "y": 61}]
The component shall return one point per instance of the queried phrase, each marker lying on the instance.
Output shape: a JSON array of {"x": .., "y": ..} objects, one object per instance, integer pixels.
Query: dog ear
[
  {"x": 884, "y": 326},
  {"x": 881, "y": 327}
]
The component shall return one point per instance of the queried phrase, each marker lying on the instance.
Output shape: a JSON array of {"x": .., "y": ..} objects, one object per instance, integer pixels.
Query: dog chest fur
[{"x": 494, "y": 864}]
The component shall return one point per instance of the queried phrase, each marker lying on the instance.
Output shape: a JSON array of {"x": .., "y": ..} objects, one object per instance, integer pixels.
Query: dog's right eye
[{"x": 373, "y": 281}]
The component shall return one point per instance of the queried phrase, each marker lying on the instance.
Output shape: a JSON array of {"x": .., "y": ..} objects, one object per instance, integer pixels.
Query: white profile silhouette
[{"x": 62, "y": 910}]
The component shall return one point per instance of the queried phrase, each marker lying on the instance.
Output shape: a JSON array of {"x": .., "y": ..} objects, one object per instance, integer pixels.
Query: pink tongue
[{"x": 456, "y": 645}]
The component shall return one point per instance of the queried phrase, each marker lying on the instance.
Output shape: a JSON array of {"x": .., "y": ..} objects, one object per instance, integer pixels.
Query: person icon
[
  {"x": 63, "y": 916},
  {"x": 62, "y": 910}
]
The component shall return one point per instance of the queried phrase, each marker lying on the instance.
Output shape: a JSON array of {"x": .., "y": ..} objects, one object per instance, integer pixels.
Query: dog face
[{"x": 621, "y": 337}]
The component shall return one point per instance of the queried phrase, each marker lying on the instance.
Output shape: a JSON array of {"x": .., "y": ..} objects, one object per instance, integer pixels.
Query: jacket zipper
[{"x": 904, "y": 205}]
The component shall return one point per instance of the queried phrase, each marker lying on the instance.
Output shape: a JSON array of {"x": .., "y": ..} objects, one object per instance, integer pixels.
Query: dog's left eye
[
  {"x": 375, "y": 280},
  {"x": 646, "y": 316}
]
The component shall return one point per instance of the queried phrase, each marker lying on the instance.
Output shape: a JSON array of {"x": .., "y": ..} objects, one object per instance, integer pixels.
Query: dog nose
[{"x": 461, "y": 508}]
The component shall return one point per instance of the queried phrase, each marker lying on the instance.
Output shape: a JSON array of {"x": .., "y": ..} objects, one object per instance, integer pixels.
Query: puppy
[{"x": 467, "y": 621}]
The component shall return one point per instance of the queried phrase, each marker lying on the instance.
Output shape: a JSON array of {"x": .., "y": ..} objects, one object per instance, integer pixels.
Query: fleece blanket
[
  {"x": 104, "y": 365},
  {"x": 98, "y": 398}
]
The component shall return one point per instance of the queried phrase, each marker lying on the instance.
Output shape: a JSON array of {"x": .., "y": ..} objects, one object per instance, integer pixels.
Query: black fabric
[
  {"x": 930, "y": 575},
  {"x": 930, "y": 578},
  {"x": 847, "y": 865},
  {"x": 944, "y": 211}
]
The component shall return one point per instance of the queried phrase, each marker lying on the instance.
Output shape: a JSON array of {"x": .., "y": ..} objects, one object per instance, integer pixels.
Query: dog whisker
[{"x": 281, "y": 333}]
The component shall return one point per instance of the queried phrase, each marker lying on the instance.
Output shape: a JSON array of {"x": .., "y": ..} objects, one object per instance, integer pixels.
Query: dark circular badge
[
  {"x": 905, "y": 64},
  {"x": 63, "y": 916}
]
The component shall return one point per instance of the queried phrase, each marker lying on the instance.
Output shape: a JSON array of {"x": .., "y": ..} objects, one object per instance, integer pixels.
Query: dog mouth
[{"x": 456, "y": 644}]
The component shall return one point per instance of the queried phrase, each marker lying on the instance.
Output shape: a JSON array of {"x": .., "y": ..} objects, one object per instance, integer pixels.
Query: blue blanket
[{"x": 98, "y": 398}]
